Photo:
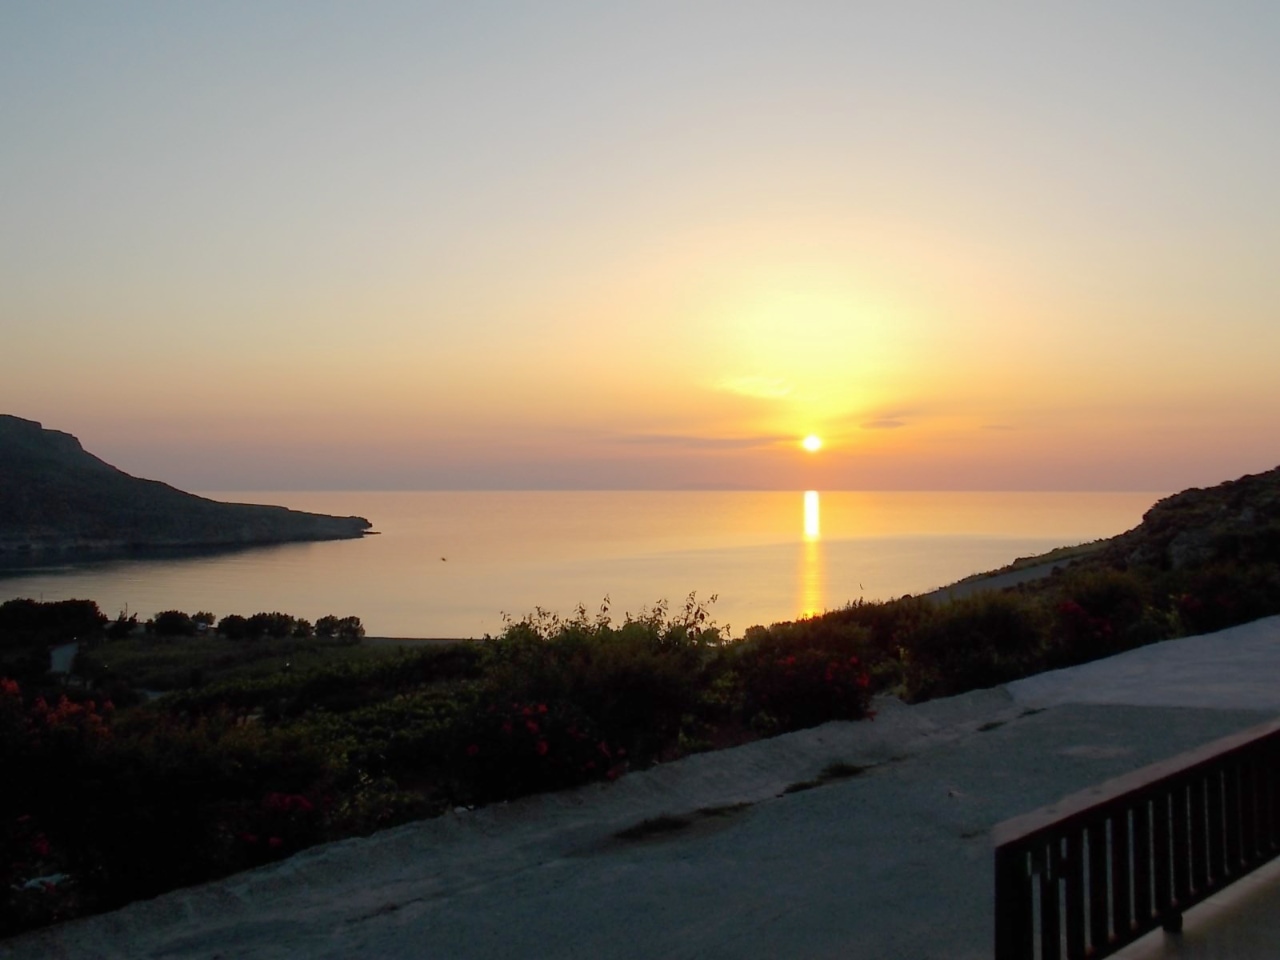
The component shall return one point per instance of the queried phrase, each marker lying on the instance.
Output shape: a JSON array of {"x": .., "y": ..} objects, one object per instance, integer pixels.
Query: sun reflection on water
[{"x": 811, "y": 558}]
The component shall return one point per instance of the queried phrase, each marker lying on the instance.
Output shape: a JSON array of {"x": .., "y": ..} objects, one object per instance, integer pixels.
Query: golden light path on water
[
  {"x": 448, "y": 563},
  {"x": 810, "y": 600}
]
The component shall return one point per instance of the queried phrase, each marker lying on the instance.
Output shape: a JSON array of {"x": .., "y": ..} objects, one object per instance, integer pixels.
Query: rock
[{"x": 55, "y": 497}]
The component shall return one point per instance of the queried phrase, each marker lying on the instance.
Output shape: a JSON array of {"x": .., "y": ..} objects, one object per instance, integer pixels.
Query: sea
[{"x": 460, "y": 564}]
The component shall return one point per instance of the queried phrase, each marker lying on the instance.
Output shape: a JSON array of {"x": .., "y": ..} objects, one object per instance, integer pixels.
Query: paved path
[{"x": 892, "y": 863}]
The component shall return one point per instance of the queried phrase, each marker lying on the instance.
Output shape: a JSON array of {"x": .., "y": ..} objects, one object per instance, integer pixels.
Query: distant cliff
[
  {"x": 1237, "y": 521},
  {"x": 57, "y": 497}
]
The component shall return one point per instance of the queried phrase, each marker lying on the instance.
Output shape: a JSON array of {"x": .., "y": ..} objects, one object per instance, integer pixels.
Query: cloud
[
  {"x": 883, "y": 423},
  {"x": 766, "y": 388},
  {"x": 701, "y": 443}
]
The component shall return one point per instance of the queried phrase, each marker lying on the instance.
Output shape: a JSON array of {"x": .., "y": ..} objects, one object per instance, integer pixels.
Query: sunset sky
[{"x": 270, "y": 245}]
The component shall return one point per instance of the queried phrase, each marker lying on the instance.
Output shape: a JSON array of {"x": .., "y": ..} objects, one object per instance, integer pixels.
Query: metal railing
[{"x": 1092, "y": 873}]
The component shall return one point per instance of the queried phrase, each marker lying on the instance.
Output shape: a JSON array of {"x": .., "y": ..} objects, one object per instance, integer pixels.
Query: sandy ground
[{"x": 892, "y": 863}]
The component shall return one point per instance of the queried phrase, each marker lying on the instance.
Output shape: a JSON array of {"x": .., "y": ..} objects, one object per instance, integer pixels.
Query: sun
[{"x": 812, "y": 443}]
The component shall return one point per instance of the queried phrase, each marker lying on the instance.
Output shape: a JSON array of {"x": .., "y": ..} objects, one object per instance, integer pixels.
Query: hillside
[
  {"x": 57, "y": 497},
  {"x": 1236, "y": 521}
]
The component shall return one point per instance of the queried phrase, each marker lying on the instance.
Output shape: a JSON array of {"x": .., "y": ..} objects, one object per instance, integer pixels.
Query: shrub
[
  {"x": 26, "y": 622},
  {"x": 1099, "y": 612},
  {"x": 121, "y": 626},
  {"x": 174, "y": 623},
  {"x": 276, "y": 625},
  {"x": 234, "y": 627},
  {"x": 514, "y": 748},
  {"x": 976, "y": 641},
  {"x": 341, "y": 628},
  {"x": 636, "y": 680},
  {"x": 1223, "y": 594},
  {"x": 800, "y": 674}
]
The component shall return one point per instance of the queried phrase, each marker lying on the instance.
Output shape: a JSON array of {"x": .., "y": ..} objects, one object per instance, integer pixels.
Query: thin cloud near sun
[
  {"x": 764, "y": 388},
  {"x": 696, "y": 442}
]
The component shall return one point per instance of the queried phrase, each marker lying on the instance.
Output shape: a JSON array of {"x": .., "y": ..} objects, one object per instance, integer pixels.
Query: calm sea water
[{"x": 449, "y": 564}]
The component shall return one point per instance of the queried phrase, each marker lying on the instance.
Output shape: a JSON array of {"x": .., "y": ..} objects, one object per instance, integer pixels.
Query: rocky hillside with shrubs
[
  {"x": 1235, "y": 521},
  {"x": 57, "y": 497}
]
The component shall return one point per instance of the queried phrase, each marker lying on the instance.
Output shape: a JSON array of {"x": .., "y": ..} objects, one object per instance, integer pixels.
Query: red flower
[
  {"x": 506, "y": 727},
  {"x": 40, "y": 845},
  {"x": 542, "y": 748},
  {"x": 531, "y": 725},
  {"x": 542, "y": 708},
  {"x": 473, "y": 749},
  {"x": 274, "y": 842}
]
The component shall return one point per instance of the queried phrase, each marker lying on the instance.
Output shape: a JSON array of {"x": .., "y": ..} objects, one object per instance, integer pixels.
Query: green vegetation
[
  {"x": 276, "y": 734},
  {"x": 165, "y": 663},
  {"x": 265, "y": 746}
]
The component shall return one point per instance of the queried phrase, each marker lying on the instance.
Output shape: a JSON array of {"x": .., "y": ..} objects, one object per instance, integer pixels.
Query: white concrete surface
[{"x": 1237, "y": 668}]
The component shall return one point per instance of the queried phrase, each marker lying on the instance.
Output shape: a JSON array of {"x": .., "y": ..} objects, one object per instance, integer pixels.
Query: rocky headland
[{"x": 56, "y": 498}]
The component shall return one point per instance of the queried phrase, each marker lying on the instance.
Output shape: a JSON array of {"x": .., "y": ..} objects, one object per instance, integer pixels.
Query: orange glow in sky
[{"x": 478, "y": 246}]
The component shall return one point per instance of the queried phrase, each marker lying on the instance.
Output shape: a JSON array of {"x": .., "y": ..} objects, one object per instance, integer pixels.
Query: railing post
[
  {"x": 1199, "y": 837},
  {"x": 1216, "y": 841},
  {"x": 1142, "y": 872},
  {"x": 1121, "y": 875},
  {"x": 1074, "y": 876},
  {"x": 1050, "y": 908},
  {"x": 1013, "y": 905}
]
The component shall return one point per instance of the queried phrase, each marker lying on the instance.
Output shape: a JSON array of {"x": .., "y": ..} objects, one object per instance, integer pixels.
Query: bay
[{"x": 450, "y": 564}]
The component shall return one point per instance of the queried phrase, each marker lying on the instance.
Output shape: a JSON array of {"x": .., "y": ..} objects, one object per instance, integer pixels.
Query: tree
[
  {"x": 26, "y": 622},
  {"x": 275, "y": 624},
  {"x": 174, "y": 623},
  {"x": 234, "y": 627},
  {"x": 343, "y": 628}
]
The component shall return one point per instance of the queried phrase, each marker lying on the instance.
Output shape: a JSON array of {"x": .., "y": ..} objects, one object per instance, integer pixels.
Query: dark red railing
[{"x": 1087, "y": 875}]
